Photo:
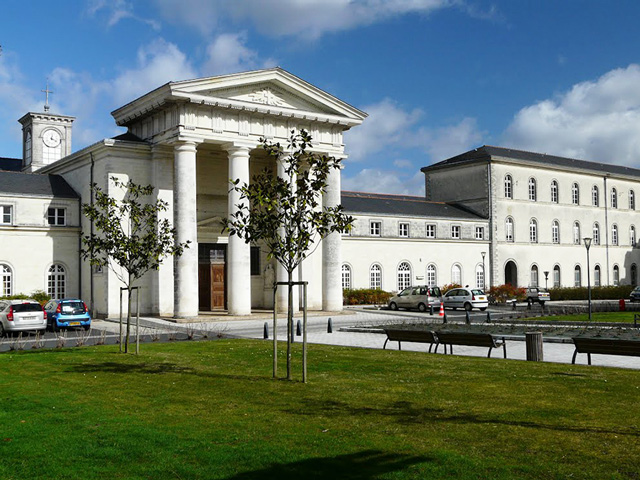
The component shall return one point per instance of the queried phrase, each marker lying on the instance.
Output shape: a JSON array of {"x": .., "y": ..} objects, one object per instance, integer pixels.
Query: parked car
[
  {"x": 467, "y": 298},
  {"x": 535, "y": 294},
  {"x": 67, "y": 312},
  {"x": 420, "y": 297},
  {"x": 634, "y": 296},
  {"x": 21, "y": 315}
]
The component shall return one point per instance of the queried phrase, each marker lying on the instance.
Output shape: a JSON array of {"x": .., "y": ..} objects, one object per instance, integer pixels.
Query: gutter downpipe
[
  {"x": 491, "y": 236},
  {"x": 92, "y": 299},
  {"x": 606, "y": 227}
]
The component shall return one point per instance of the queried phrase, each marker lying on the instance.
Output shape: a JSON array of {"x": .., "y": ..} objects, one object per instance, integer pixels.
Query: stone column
[
  {"x": 185, "y": 299},
  {"x": 238, "y": 251},
  {"x": 332, "y": 251}
]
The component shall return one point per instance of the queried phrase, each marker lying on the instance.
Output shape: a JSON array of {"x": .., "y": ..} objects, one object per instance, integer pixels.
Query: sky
[{"x": 436, "y": 77}]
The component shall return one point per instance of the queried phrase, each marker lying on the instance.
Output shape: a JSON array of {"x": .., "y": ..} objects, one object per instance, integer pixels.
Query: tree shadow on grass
[
  {"x": 365, "y": 465},
  {"x": 407, "y": 413}
]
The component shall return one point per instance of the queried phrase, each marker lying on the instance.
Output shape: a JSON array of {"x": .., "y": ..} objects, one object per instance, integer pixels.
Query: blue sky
[{"x": 437, "y": 77}]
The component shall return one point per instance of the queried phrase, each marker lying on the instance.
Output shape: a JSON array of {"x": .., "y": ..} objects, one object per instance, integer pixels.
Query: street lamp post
[
  {"x": 484, "y": 274},
  {"x": 546, "y": 280},
  {"x": 587, "y": 244}
]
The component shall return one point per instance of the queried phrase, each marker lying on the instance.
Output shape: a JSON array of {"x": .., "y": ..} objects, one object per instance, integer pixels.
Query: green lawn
[
  {"x": 614, "y": 317},
  {"x": 209, "y": 410}
]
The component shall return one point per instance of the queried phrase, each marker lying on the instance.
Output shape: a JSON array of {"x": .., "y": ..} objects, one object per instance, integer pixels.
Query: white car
[
  {"x": 467, "y": 298},
  {"x": 21, "y": 315}
]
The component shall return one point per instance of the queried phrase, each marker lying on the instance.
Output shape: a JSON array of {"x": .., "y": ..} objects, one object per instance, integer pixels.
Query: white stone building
[{"x": 490, "y": 216}]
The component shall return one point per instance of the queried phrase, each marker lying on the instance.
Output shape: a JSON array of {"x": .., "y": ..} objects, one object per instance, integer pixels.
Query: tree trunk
[
  {"x": 126, "y": 340},
  {"x": 289, "y": 321}
]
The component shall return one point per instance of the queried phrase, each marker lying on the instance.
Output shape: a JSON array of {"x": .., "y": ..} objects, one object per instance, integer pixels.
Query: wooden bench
[
  {"x": 417, "y": 336},
  {"x": 605, "y": 346},
  {"x": 470, "y": 340}
]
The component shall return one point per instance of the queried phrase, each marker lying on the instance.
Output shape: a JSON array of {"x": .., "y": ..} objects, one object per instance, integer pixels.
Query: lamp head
[{"x": 587, "y": 242}]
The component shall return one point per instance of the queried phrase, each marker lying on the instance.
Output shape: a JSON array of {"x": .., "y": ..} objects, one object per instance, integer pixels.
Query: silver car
[
  {"x": 420, "y": 297},
  {"x": 467, "y": 298},
  {"x": 20, "y": 316}
]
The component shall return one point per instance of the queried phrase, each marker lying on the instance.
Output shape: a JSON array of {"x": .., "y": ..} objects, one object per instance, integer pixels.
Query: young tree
[
  {"x": 129, "y": 239},
  {"x": 285, "y": 213}
]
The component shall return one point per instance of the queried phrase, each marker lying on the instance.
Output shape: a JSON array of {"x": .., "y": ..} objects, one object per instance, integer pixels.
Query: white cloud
[
  {"x": 401, "y": 163},
  {"x": 306, "y": 18},
  {"x": 595, "y": 120},
  {"x": 228, "y": 53},
  {"x": 158, "y": 63},
  {"x": 117, "y": 10},
  {"x": 444, "y": 142},
  {"x": 387, "y": 181},
  {"x": 386, "y": 126}
]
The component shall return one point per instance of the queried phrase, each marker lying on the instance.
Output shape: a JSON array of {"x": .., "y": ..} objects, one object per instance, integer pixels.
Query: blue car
[{"x": 67, "y": 312}]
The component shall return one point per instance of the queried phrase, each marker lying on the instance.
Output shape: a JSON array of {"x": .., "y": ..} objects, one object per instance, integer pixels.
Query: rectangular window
[
  {"x": 431, "y": 231},
  {"x": 403, "y": 230},
  {"x": 57, "y": 216},
  {"x": 6, "y": 214},
  {"x": 255, "y": 261},
  {"x": 375, "y": 228},
  {"x": 455, "y": 232},
  {"x": 479, "y": 233}
]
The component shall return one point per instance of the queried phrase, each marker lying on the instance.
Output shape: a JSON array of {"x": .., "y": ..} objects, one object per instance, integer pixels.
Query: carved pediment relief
[{"x": 267, "y": 94}]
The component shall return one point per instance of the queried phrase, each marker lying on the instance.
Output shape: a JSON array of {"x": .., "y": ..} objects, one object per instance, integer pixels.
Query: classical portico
[{"x": 213, "y": 127}]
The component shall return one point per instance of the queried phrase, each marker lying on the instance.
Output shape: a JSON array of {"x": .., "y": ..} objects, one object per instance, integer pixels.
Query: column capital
[{"x": 238, "y": 146}]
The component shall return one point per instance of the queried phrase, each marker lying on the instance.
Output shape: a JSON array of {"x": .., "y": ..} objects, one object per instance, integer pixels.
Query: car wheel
[
  {"x": 2, "y": 331},
  {"x": 422, "y": 307},
  {"x": 393, "y": 306},
  {"x": 468, "y": 307},
  {"x": 482, "y": 309}
]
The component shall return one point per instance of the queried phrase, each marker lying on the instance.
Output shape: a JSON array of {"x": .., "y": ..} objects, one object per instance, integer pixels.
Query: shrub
[
  {"x": 448, "y": 287},
  {"x": 365, "y": 296},
  {"x": 39, "y": 296},
  {"x": 505, "y": 292}
]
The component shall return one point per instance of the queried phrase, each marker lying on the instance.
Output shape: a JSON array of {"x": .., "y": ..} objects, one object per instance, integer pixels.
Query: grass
[
  {"x": 210, "y": 410},
  {"x": 613, "y": 317}
]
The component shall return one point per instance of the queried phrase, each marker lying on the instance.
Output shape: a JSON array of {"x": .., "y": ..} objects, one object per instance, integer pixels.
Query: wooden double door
[{"x": 212, "y": 292}]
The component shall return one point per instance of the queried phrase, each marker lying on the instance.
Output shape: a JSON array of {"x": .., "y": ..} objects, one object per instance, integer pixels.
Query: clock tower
[{"x": 46, "y": 137}]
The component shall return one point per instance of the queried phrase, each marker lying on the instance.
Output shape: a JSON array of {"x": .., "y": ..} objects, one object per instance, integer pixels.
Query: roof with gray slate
[
  {"x": 405, "y": 205},
  {"x": 11, "y": 164},
  {"x": 35, "y": 185},
  {"x": 486, "y": 153}
]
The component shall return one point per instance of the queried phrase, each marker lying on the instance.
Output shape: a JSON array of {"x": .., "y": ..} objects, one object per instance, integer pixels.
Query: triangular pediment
[{"x": 273, "y": 91}]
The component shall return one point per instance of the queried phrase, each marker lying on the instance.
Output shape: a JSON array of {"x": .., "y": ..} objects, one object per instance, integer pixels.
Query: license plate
[
  {"x": 28, "y": 319},
  {"x": 74, "y": 324},
  {"x": 482, "y": 299}
]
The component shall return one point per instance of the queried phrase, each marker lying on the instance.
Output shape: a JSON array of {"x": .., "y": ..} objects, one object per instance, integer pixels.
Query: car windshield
[
  {"x": 72, "y": 307},
  {"x": 27, "y": 307},
  {"x": 477, "y": 292}
]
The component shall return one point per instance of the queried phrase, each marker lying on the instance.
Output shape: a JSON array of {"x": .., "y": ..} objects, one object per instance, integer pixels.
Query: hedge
[
  {"x": 365, "y": 296},
  {"x": 597, "y": 293}
]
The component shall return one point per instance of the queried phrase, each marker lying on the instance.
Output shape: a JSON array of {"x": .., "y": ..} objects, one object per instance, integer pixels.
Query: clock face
[{"x": 51, "y": 138}]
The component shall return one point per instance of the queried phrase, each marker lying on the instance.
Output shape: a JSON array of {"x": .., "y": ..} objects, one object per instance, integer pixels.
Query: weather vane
[{"x": 47, "y": 92}]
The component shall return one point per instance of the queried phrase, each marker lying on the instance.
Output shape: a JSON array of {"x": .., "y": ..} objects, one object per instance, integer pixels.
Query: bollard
[
  {"x": 444, "y": 317},
  {"x": 467, "y": 319},
  {"x": 266, "y": 331},
  {"x": 488, "y": 317},
  {"x": 533, "y": 342},
  {"x": 513, "y": 304},
  {"x": 299, "y": 328},
  {"x": 431, "y": 309},
  {"x": 329, "y": 326},
  {"x": 622, "y": 305}
]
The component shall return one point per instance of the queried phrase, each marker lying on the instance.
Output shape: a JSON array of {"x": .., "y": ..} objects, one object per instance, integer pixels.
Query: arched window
[
  {"x": 533, "y": 231},
  {"x": 595, "y": 196},
  {"x": 596, "y": 276},
  {"x": 480, "y": 276},
  {"x": 614, "y": 234},
  {"x": 556, "y": 276},
  {"x": 632, "y": 236},
  {"x": 596, "y": 234},
  {"x": 616, "y": 275},
  {"x": 555, "y": 232},
  {"x": 614, "y": 198},
  {"x": 534, "y": 275},
  {"x": 576, "y": 233},
  {"x": 632, "y": 200},
  {"x": 346, "y": 276},
  {"x": 432, "y": 278},
  {"x": 456, "y": 274},
  {"x": 375, "y": 276},
  {"x": 634, "y": 274},
  {"x": 554, "y": 191},
  {"x": 57, "y": 281},
  {"x": 577, "y": 276},
  {"x": 508, "y": 186},
  {"x": 575, "y": 194},
  {"x": 533, "y": 194},
  {"x": 404, "y": 276},
  {"x": 6, "y": 280},
  {"x": 508, "y": 229}
]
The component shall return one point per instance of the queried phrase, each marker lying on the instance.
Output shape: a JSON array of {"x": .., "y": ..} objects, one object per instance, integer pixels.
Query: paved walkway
[{"x": 365, "y": 337}]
